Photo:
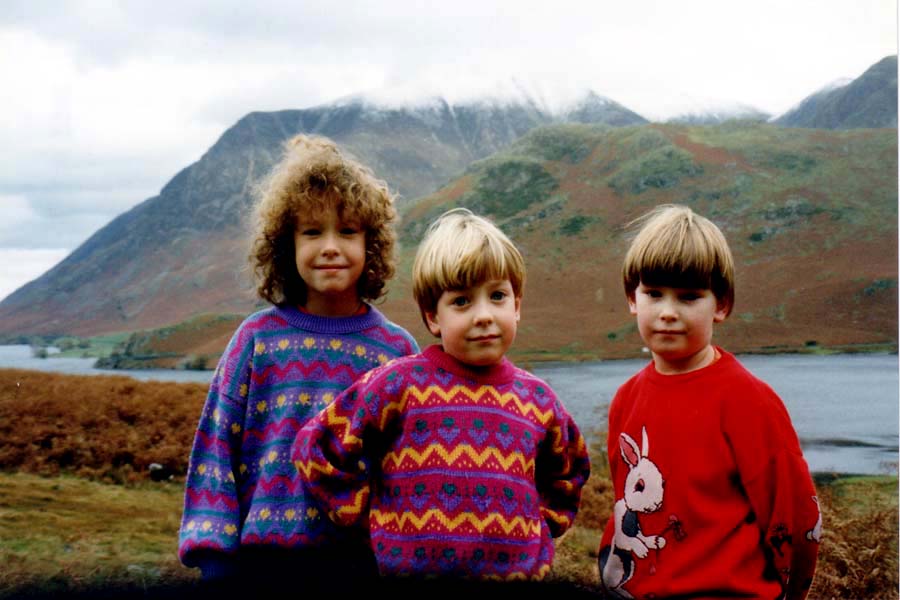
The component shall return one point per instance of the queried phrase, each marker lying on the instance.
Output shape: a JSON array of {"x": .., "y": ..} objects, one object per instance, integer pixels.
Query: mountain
[
  {"x": 811, "y": 216},
  {"x": 800, "y": 206},
  {"x": 180, "y": 253},
  {"x": 593, "y": 108},
  {"x": 715, "y": 115},
  {"x": 800, "y": 209},
  {"x": 869, "y": 101}
]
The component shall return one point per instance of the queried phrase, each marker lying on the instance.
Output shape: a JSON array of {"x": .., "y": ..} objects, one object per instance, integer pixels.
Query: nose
[
  {"x": 667, "y": 311},
  {"x": 329, "y": 245},
  {"x": 482, "y": 314}
]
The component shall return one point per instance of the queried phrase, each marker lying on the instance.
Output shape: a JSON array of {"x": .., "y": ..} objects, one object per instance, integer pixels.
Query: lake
[{"x": 844, "y": 407}]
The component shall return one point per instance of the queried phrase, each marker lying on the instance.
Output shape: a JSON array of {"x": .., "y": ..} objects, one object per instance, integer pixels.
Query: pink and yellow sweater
[{"x": 455, "y": 471}]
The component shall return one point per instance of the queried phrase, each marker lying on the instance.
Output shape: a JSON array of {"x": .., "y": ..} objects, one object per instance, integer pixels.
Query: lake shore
[{"x": 815, "y": 387}]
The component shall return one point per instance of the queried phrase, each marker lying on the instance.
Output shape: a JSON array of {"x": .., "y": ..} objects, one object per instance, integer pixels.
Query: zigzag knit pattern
[
  {"x": 280, "y": 368},
  {"x": 457, "y": 472}
]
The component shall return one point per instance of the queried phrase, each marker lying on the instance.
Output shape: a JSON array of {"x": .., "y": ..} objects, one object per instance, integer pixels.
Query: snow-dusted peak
[
  {"x": 688, "y": 108},
  {"x": 551, "y": 98}
]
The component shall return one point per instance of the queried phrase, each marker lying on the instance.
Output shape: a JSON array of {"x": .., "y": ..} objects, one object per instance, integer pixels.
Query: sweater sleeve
[
  {"x": 211, "y": 525},
  {"x": 330, "y": 455},
  {"x": 561, "y": 469},
  {"x": 612, "y": 455},
  {"x": 779, "y": 488}
]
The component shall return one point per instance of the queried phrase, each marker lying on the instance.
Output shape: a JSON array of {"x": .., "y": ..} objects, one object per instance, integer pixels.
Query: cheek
[{"x": 360, "y": 250}]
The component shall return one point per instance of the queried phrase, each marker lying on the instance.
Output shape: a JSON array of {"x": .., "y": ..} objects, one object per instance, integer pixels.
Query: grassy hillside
[
  {"x": 193, "y": 344},
  {"x": 79, "y": 513},
  {"x": 801, "y": 208},
  {"x": 811, "y": 216}
]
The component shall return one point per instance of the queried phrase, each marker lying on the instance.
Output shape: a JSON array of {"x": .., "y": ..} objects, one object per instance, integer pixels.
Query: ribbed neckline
[
  {"x": 498, "y": 374},
  {"x": 654, "y": 376},
  {"x": 331, "y": 325}
]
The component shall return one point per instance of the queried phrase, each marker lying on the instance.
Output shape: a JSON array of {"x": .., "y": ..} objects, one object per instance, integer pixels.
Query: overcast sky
[{"x": 104, "y": 102}]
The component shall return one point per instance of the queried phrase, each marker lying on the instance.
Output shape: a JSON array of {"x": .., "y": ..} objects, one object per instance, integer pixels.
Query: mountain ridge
[
  {"x": 180, "y": 253},
  {"x": 869, "y": 101},
  {"x": 133, "y": 272}
]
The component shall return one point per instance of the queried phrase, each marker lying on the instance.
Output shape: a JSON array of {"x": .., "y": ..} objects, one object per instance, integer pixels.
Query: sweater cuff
[{"x": 218, "y": 567}]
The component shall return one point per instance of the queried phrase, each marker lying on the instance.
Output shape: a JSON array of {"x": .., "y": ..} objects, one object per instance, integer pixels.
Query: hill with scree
[
  {"x": 801, "y": 208},
  {"x": 868, "y": 101},
  {"x": 811, "y": 213},
  {"x": 811, "y": 216},
  {"x": 180, "y": 253}
]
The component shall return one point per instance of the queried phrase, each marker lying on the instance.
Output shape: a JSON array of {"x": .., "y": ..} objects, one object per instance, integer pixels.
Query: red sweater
[{"x": 713, "y": 496}]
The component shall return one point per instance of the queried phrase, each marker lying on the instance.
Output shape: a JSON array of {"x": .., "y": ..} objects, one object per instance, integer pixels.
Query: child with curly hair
[
  {"x": 322, "y": 251},
  {"x": 458, "y": 463}
]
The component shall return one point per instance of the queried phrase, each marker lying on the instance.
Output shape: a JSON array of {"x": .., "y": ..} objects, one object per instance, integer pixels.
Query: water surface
[{"x": 844, "y": 407}]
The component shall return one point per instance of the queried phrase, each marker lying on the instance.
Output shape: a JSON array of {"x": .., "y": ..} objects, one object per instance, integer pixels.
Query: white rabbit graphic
[{"x": 643, "y": 494}]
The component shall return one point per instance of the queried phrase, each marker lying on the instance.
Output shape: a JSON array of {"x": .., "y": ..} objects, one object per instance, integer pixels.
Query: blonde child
[
  {"x": 713, "y": 496},
  {"x": 459, "y": 463},
  {"x": 323, "y": 247}
]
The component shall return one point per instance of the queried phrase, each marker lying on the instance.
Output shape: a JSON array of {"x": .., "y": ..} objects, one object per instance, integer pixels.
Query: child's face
[
  {"x": 677, "y": 325},
  {"x": 330, "y": 253},
  {"x": 477, "y": 325}
]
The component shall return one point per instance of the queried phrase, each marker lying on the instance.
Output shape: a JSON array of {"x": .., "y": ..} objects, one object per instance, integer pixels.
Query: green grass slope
[{"x": 811, "y": 216}]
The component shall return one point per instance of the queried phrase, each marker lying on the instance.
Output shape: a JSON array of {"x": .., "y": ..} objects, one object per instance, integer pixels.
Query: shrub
[
  {"x": 107, "y": 428},
  {"x": 509, "y": 187}
]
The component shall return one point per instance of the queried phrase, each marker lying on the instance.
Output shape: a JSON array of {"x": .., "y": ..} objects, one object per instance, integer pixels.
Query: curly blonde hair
[{"x": 314, "y": 176}]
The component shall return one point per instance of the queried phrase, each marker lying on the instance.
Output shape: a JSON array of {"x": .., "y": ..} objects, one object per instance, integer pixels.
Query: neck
[
  {"x": 697, "y": 361},
  {"x": 333, "y": 306}
]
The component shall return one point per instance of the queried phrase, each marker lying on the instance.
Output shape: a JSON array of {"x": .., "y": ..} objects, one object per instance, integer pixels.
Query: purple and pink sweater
[
  {"x": 455, "y": 471},
  {"x": 281, "y": 367}
]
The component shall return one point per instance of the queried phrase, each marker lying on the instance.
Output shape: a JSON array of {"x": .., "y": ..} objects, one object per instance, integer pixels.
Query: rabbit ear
[
  {"x": 629, "y": 449},
  {"x": 645, "y": 443}
]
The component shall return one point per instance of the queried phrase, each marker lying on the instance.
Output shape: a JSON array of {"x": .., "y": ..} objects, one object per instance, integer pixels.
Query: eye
[
  {"x": 654, "y": 293},
  {"x": 310, "y": 231},
  {"x": 498, "y": 295},
  {"x": 690, "y": 296},
  {"x": 639, "y": 486},
  {"x": 459, "y": 301},
  {"x": 349, "y": 230}
]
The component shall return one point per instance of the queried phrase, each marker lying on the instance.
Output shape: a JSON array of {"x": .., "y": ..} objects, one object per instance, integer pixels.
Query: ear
[
  {"x": 518, "y": 309},
  {"x": 432, "y": 323},
  {"x": 722, "y": 310},
  {"x": 645, "y": 442},
  {"x": 632, "y": 303},
  {"x": 629, "y": 449}
]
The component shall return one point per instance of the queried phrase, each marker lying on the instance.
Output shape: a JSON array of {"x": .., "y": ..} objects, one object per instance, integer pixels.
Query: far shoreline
[{"x": 524, "y": 358}]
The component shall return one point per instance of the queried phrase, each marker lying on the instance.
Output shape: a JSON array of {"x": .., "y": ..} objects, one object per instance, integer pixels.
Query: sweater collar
[
  {"x": 331, "y": 325},
  {"x": 497, "y": 374},
  {"x": 722, "y": 363}
]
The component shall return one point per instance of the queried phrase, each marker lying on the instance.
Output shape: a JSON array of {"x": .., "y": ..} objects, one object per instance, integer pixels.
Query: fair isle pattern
[
  {"x": 476, "y": 471},
  {"x": 280, "y": 368}
]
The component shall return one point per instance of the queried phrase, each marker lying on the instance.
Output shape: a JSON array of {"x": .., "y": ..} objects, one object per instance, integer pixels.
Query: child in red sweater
[
  {"x": 713, "y": 496},
  {"x": 459, "y": 463}
]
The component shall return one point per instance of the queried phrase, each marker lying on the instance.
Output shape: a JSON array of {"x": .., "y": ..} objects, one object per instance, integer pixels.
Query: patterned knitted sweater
[
  {"x": 456, "y": 472},
  {"x": 281, "y": 367}
]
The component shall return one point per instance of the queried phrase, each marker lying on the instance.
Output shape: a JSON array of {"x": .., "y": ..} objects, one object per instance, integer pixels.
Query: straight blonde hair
[
  {"x": 676, "y": 247},
  {"x": 461, "y": 250}
]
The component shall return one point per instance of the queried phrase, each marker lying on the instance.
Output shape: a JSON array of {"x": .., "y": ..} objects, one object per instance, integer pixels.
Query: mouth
[
  {"x": 484, "y": 338},
  {"x": 329, "y": 267},
  {"x": 668, "y": 332}
]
